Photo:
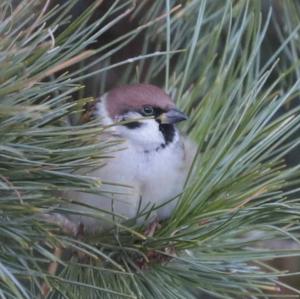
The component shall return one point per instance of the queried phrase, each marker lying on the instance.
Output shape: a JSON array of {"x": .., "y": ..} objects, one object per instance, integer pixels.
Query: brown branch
[
  {"x": 61, "y": 66},
  {"x": 52, "y": 268},
  {"x": 67, "y": 227}
]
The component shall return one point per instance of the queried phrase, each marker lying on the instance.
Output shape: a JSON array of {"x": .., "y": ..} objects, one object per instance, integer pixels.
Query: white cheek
[{"x": 147, "y": 135}]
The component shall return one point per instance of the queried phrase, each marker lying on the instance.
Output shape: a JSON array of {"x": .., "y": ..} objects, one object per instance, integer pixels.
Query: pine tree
[{"x": 240, "y": 208}]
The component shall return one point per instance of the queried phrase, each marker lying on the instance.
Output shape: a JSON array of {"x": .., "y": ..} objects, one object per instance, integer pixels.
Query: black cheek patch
[{"x": 133, "y": 125}]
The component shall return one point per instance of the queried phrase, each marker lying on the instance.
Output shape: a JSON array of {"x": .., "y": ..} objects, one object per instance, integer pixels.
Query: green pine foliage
[{"x": 240, "y": 208}]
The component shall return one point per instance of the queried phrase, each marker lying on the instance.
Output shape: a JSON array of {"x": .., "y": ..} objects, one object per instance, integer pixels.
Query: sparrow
[{"x": 150, "y": 166}]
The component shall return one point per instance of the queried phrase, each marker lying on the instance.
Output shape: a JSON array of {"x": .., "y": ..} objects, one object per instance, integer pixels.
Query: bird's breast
[
  {"x": 155, "y": 177},
  {"x": 161, "y": 175}
]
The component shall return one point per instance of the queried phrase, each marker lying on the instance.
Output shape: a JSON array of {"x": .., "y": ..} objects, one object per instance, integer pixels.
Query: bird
[{"x": 148, "y": 168}]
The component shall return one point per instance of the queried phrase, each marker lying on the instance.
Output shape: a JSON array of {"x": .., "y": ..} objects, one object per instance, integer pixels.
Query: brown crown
[{"x": 134, "y": 97}]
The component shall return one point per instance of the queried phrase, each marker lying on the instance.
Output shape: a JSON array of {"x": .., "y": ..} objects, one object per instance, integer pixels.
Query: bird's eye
[{"x": 148, "y": 110}]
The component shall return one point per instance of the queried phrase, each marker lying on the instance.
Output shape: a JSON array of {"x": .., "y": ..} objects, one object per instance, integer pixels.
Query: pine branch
[{"x": 240, "y": 207}]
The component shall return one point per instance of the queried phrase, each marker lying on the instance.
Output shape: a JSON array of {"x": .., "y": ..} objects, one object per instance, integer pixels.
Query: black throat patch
[{"x": 168, "y": 131}]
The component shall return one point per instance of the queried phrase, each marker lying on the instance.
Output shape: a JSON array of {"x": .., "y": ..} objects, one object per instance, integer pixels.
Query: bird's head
[{"x": 147, "y": 114}]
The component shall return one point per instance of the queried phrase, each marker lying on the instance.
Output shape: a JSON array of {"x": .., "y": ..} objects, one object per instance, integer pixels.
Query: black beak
[{"x": 172, "y": 116}]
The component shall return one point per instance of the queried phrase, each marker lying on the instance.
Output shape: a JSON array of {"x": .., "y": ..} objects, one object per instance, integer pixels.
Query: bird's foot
[
  {"x": 65, "y": 224},
  {"x": 156, "y": 257},
  {"x": 152, "y": 228}
]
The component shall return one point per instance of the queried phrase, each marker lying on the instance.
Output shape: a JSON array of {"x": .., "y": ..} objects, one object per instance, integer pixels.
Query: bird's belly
[
  {"x": 151, "y": 179},
  {"x": 162, "y": 178},
  {"x": 155, "y": 178},
  {"x": 119, "y": 193}
]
